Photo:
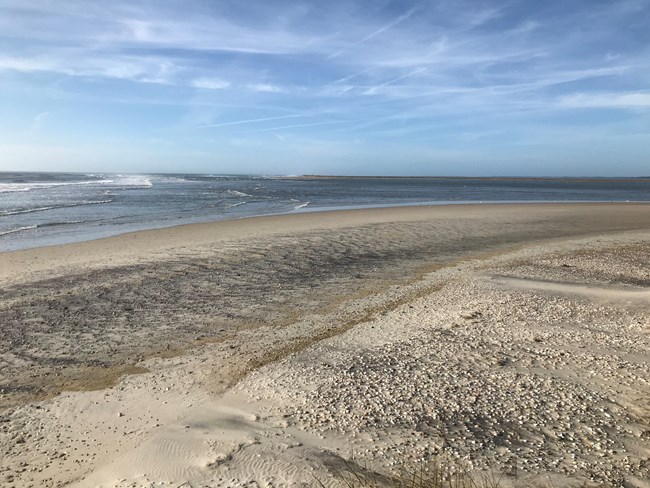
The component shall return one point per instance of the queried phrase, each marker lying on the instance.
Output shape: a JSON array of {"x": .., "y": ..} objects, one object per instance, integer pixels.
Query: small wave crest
[
  {"x": 174, "y": 179},
  {"x": 46, "y": 224},
  {"x": 302, "y": 205},
  {"x": 6, "y": 213},
  {"x": 236, "y": 193},
  {"x": 233, "y": 205},
  {"x": 18, "y": 229},
  {"x": 67, "y": 222}
]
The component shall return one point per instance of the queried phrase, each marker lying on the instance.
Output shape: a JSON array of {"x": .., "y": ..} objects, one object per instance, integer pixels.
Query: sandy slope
[{"x": 531, "y": 360}]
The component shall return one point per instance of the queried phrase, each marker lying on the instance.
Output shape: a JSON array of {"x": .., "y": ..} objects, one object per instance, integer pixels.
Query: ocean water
[{"x": 38, "y": 209}]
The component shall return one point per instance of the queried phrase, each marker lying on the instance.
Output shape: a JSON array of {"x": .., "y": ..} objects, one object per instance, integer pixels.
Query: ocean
[{"x": 38, "y": 209}]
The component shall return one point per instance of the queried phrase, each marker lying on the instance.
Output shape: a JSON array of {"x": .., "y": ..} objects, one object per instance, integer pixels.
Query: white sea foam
[
  {"x": 117, "y": 180},
  {"x": 6, "y": 213},
  {"x": 175, "y": 179},
  {"x": 235, "y": 205},
  {"x": 302, "y": 205},
  {"x": 19, "y": 229},
  {"x": 26, "y": 210},
  {"x": 12, "y": 188},
  {"x": 18, "y": 187},
  {"x": 235, "y": 193},
  {"x": 133, "y": 180}
]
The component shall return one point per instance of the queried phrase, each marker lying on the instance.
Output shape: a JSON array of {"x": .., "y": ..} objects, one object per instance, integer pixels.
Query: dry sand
[{"x": 510, "y": 338}]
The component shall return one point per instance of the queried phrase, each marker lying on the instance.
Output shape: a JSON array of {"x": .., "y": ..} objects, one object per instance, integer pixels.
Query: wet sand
[{"x": 211, "y": 314}]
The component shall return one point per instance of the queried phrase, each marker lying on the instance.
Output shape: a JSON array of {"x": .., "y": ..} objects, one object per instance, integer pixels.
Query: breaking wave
[
  {"x": 118, "y": 180},
  {"x": 19, "y": 187},
  {"x": 132, "y": 181}
]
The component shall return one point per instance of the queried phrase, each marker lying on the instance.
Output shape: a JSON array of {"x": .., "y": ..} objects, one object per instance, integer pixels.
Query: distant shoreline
[
  {"x": 350, "y": 177},
  {"x": 483, "y": 178}
]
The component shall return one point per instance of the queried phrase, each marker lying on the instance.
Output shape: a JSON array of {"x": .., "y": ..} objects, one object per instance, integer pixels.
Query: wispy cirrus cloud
[
  {"x": 396, "y": 21},
  {"x": 291, "y": 126},
  {"x": 368, "y": 70},
  {"x": 265, "y": 88},
  {"x": 210, "y": 83},
  {"x": 252, "y": 121},
  {"x": 39, "y": 122},
  {"x": 633, "y": 100},
  {"x": 375, "y": 89},
  {"x": 142, "y": 69}
]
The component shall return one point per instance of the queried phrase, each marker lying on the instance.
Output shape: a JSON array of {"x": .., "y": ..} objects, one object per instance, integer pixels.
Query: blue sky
[{"x": 445, "y": 87}]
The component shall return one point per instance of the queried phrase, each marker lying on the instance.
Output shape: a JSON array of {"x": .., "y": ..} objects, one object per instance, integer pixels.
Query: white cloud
[
  {"x": 139, "y": 29},
  {"x": 443, "y": 63},
  {"x": 165, "y": 43},
  {"x": 606, "y": 100},
  {"x": 143, "y": 69},
  {"x": 210, "y": 83},
  {"x": 264, "y": 88},
  {"x": 27, "y": 64}
]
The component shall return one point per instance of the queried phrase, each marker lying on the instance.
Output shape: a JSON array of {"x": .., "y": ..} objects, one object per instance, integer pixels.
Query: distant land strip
[{"x": 484, "y": 178}]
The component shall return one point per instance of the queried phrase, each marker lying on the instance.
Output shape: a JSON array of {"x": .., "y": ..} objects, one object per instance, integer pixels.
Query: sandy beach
[{"x": 277, "y": 351}]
